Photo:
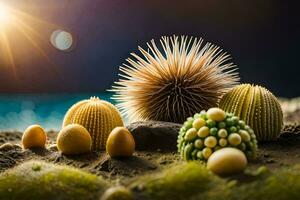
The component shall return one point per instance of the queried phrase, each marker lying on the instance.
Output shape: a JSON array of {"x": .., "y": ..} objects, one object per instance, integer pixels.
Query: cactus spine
[
  {"x": 97, "y": 116},
  {"x": 258, "y": 107}
]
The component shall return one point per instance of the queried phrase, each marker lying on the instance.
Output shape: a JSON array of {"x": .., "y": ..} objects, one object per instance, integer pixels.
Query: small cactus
[
  {"x": 258, "y": 107},
  {"x": 97, "y": 116},
  {"x": 210, "y": 131}
]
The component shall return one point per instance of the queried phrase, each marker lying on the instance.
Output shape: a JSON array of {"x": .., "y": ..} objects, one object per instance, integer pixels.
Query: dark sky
[{"x": 261, "y": 36}]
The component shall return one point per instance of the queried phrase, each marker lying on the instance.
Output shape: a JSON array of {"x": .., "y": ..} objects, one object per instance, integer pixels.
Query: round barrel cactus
[
  {"x": 210, "y": 131},
  {"x": 258, "y": 107},
  {"x": 97, "y": 116}
]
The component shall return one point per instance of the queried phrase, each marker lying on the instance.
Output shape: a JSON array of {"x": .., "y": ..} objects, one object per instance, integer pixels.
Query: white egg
[{"x": 227, "y": 161}]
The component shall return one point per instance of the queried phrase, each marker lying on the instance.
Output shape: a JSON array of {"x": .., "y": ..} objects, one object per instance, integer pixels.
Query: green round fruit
[
  {"x": 221, "y": 125},
  {"x": 211, "y": 123},
  {"x": 202, "y": 135},
  {"x": 213, "y": 131}
]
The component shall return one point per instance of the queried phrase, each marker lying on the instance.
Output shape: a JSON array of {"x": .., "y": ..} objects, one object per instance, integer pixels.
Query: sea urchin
[{"x": 173, "y": 84}]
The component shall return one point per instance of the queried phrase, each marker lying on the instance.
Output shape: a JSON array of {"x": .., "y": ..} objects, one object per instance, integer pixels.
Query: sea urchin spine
[{"x": 172, "y": 85}]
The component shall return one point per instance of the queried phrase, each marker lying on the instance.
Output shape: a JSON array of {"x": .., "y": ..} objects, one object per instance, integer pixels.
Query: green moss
[
  {"x": 179, "y": 182},
  {"x": 39, "y": 180},
  {"x": 188, "y": 181},
  {"x": 192, "y": 181},
  {"x": 281, "y": 185}
]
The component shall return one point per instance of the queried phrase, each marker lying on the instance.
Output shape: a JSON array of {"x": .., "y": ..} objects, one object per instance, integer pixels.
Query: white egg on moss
[{"x": 227, "y": 161}]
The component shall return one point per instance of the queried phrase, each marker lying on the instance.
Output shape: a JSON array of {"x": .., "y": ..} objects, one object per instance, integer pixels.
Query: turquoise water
[{"x": 17, "y": 111}]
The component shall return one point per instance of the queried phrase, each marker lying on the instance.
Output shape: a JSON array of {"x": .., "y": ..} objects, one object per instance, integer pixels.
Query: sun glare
[
  {"x": 15, "y": 23},
  {"x": 5, "y": 15}
]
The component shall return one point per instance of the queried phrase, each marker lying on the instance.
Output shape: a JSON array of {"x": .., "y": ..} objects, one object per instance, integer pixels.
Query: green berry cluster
[{"x": 209, "y": 131}]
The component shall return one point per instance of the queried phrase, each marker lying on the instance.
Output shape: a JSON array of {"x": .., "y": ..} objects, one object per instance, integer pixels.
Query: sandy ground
[{"x": 284, "y": 152}]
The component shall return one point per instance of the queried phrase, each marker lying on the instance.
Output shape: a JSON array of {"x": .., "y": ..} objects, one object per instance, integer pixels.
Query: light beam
[{"x": 5, "y": 15}]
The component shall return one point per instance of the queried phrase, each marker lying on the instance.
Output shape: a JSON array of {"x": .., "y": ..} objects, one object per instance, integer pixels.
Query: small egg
[
  {"x": 198, "y": 143},
  {"x": 206, "y": 152},
  {"x": 74, "y": 139},
  {"x": 210, "y": 141},
  {"x": 234, "y": 139},
  {"x": 120, "y": 143},
  {"x": 216, "y": 114},
  {"x": 203, "y": 132},
  {"x": 200, "y": 155},
  {"x": 245, "y": 136},
  {"x": 227, "y": 161},
  {"x": 198, "y": 123},
  {"x": 191, "y": 134},
  {"x": 222, "y": 142},
  {"x": 34, "y": 137},
  {"x": 222, "y": 133}
]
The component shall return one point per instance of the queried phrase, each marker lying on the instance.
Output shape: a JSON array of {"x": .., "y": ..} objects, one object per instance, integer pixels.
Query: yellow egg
[
  {"x": 34, "y": 137},
  {"x": 234, "y": 139},
  {"x": 120, "y": 143},
  {"x": 227, "y": 161},
  {"x": 198, "y": 123},
  {"x": 216, "y": 114},
  {"x": 206, "y": 152},
  {"x": 203, "y": 132},
  {"x": 210, "y": 141},
  {"x": 74, "y": 139}
]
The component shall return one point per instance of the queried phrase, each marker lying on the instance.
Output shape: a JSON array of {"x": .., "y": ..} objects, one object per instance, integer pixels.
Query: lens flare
[
  {"x": 21, "y": 25},
  {"x": 5, "y": 15}
]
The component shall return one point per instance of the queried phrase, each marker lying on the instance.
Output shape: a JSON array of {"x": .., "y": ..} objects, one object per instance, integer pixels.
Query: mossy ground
[
  {"x": 38, "y": 180},
  {"x": 151, "y": 175},
  {"x": 193, "y": 181}
]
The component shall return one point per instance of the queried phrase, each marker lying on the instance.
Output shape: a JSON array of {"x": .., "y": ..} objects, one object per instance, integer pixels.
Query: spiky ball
[
  {"x": 258, "y": 107},
  {"x": 173, "y": 84},
  {"x": 97, "y": 116},
  {"x": 207, "y": 132}
]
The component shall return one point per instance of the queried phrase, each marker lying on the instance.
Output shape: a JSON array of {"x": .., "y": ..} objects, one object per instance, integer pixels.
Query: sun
[{"x": 5, "y": 15}]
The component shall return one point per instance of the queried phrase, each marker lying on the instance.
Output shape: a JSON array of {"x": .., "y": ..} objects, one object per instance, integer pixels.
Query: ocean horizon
[{"x": 18, "y": 111}]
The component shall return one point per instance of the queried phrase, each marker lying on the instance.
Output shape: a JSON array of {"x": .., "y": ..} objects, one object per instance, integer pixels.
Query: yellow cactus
[
  {"x": 97, "y": 116},
  {"x": 258, "y": 107}
]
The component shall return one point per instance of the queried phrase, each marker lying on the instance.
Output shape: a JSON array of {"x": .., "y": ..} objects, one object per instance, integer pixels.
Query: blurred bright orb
[
  {"x": 5, "y": 14},
  {"x": 62, "y": 40}
]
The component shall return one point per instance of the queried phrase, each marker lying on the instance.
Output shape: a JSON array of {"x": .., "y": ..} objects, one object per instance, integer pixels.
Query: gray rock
[{"x": 153, "y": 135}]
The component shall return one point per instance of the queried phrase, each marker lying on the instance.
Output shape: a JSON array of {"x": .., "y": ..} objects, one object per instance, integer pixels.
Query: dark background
[{"x": 261, "y": 36}]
